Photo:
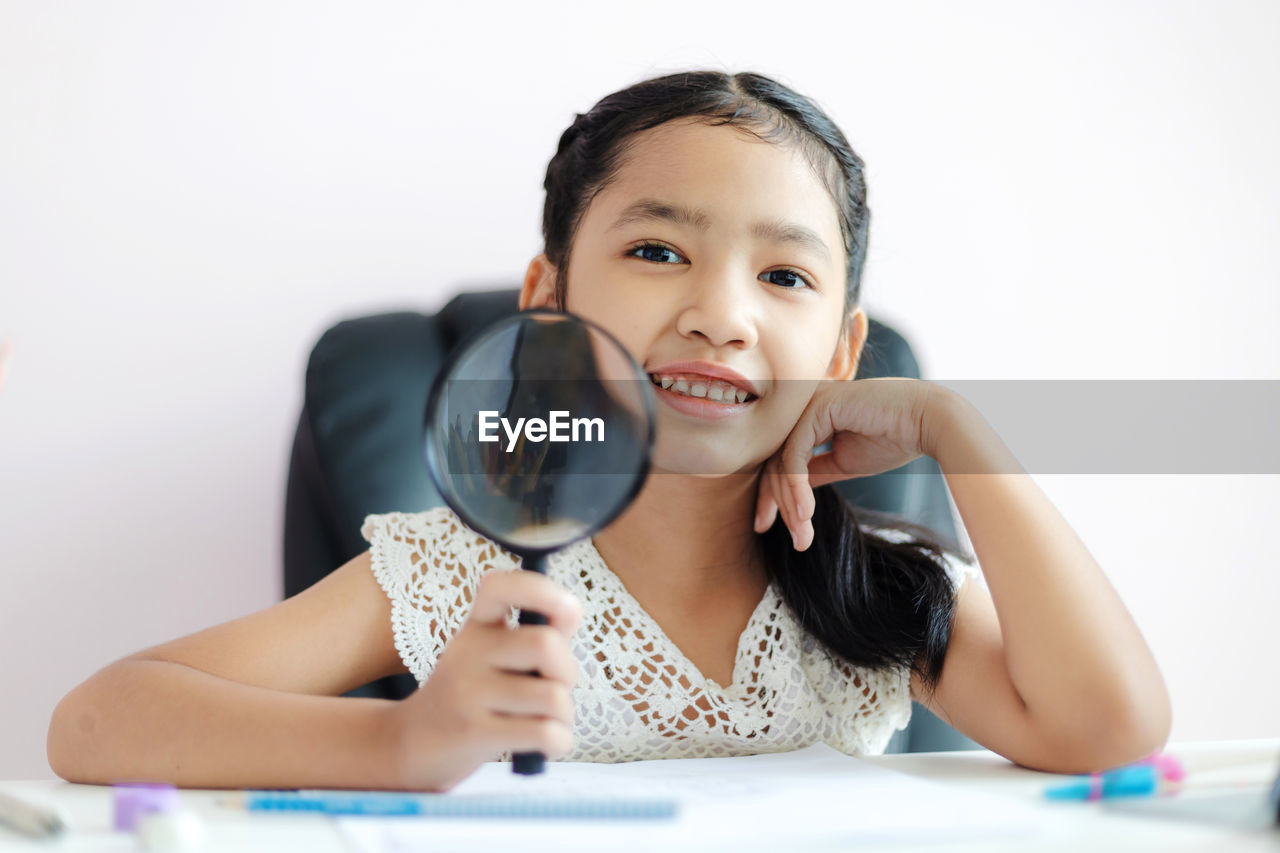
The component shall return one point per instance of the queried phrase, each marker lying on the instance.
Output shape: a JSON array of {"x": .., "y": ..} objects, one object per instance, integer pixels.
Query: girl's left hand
[{"x": 874, "y": 425}]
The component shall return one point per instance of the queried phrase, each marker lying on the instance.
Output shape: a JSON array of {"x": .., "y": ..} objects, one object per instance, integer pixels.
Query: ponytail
[{"x": 875, "y": 602}]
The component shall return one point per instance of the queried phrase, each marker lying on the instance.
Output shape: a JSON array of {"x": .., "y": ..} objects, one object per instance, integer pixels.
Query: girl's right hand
[{"x": 480, "y": 700}]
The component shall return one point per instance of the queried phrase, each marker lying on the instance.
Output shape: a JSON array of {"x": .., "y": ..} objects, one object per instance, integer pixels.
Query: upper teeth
[{"x": 710, "y": 389}]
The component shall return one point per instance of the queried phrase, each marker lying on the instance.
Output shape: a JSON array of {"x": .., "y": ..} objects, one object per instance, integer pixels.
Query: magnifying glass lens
[{"x": 539, "y": 432}]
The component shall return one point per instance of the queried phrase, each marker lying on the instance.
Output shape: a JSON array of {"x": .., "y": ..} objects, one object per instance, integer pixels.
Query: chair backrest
[{"x": 358, "y": 447}]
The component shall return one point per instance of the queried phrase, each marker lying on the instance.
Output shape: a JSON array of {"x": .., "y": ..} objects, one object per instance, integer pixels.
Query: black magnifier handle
[{"x": 531, "y": 763}]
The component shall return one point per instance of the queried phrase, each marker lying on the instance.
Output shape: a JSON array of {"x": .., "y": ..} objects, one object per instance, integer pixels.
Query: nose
[{"x": 718, "y": 308}]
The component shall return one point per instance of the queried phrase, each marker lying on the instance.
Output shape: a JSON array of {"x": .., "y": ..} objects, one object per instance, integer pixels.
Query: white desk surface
[{"x": 1065, "y": 826}]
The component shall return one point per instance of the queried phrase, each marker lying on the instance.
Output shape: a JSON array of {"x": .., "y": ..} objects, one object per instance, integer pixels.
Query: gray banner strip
[
  {"x": 1090, "y": 427},
  {"x": 1134, "y": 426}
]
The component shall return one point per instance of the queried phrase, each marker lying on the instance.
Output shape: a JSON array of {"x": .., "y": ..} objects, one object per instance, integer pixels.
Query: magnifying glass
[{"x": 539, "y": 433}]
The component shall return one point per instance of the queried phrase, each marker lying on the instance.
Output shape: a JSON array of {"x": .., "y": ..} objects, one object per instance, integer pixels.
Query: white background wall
[{"x": 191, "y": 193}]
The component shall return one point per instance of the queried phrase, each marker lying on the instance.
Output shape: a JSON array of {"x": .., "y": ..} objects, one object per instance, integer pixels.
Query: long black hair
[{"x": 875, "y": 601}]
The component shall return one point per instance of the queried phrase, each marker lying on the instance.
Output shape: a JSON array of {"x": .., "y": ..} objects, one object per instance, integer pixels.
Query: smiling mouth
[{"x": 702, "y": 388}]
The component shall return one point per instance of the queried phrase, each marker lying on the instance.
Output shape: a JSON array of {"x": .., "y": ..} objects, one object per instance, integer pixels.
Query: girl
[{"x": 717, "y": 225}]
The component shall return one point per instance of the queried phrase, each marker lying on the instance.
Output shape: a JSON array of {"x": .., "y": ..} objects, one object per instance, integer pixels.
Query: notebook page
[{"x": 814, "y": 796}]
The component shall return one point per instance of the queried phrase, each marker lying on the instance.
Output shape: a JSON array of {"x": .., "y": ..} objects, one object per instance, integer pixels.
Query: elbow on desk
[
  {"x": 73, "y": 745},
  {"x": 1133, "y": 725},
  {"x": 61, "y": 741},
  {"x": 1110, "y": 736}
]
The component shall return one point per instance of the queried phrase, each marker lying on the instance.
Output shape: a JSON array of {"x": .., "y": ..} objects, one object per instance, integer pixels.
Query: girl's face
[{"x": 713, "y": 255}]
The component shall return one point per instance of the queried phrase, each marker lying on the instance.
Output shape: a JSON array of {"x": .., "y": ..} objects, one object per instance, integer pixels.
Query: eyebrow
[{"x": 653, "y": 210}]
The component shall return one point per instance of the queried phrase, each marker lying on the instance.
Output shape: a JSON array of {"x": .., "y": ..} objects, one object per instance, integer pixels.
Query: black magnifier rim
[{"x": 435, "y": 470}]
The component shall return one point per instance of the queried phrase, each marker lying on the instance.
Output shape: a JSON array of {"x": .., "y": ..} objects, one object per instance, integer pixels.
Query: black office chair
[{"x": 358, "y": 450}]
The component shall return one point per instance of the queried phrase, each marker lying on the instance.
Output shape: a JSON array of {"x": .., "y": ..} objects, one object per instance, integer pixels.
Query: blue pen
[
  {"x": 1138, "y": 780},
  {"x": 441, "y": 805},
  {"x": 374, "y": 805}
]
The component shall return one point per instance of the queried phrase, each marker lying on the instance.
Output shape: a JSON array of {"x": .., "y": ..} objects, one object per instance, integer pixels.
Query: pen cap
[
  {"x": 1169, "y": 766},
  {"x": 132, "y": 801}
]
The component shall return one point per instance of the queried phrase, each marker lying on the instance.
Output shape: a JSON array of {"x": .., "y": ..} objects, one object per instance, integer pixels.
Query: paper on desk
[{"x": 811, "y": 796}]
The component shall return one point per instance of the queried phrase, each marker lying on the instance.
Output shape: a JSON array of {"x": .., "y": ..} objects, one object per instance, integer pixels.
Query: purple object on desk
[{"x": 133, "y": 801}]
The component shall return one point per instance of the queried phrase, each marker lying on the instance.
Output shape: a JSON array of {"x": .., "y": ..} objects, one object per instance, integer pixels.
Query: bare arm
[
  {"x": 255, "y": 702},
  {"x": 249, "y": 703},
  {"x": 1049, "y": 669}
]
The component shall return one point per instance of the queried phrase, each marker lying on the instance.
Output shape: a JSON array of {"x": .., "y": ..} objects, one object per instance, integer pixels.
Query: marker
[
  {"x": 1142, "y": 779},
  {"x": 35, "y": 821},
  {"x": 1138, "y": 781},
  {"x": 442, "y": 805}
]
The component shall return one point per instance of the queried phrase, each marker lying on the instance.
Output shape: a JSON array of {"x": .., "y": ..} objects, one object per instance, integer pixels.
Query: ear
[
  {"x": 539, "y": 289},
  {"x": 844, "y": 363}
]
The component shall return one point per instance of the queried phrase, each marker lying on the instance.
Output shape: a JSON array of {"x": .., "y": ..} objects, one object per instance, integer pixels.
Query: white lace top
[{"x": 637, "y": 696}]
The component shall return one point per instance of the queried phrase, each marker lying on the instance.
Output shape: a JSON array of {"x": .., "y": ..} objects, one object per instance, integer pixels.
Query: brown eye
[
  {"x": 656, "y": 253},
  {"x": 786, "y": 278}
]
